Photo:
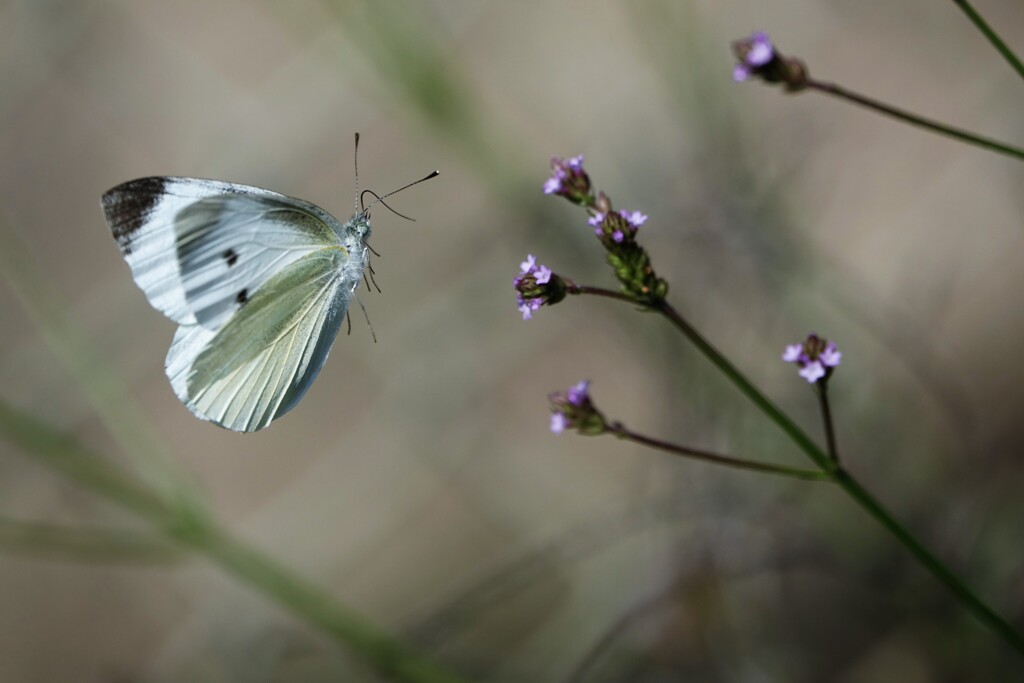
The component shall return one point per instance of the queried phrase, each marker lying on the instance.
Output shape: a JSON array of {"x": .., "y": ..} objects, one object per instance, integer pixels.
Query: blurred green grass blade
[
  {"x": 85, "y": 544},
  {"x": 387, "y": 655},
  {"x": 104, "y": 394},
  {"x": 87, "y": 467},
  {"x": 407, "y": 47}
]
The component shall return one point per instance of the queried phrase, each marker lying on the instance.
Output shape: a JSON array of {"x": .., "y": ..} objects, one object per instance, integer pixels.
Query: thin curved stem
[
  {"x": 914, "y": 119},
  {"x": 985, "y": 614},
  {"x": 622, "y": 432},
  {"x": 992, "y": 36},
  {"x": 821, "y": 388}
]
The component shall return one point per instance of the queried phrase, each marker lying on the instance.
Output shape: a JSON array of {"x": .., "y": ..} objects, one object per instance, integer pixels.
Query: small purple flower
[
  {"x": 830, "y": 356},
  {"x": 569, "y": 180},
  {"x": 573, "y": 409},
  {"x": 579, "y": 393},
  {"x": 754, "y": 53},
  {"x": 816, "y": 357},
  {"x": 618, "y": 236},
  {"x": 636, "y": 219},
  {"x": 812, "y": 371},
  {"x": 596, "y": 220},
  {"x": 793, "y": 353},
  {"x": 535, "y": 286}
]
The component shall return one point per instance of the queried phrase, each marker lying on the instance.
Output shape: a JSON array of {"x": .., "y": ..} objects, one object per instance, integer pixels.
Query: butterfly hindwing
[{"x": 261, "y": 362}]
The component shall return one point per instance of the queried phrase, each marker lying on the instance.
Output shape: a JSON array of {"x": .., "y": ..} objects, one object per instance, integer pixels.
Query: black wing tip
[{"x": 127, "y": 206}]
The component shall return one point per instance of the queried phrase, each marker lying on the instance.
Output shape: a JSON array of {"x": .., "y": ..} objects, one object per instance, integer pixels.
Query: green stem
[
  {"x": 992, "y": 36},
  {"x": 84, "y": 544},
  {"x": 985, "y": 614},
  {"x": 826, "y": 417},
  {"x": 191, "y": 528},
  {"x": 915, "y": 120},
  {"x": 622, "y": 432}
]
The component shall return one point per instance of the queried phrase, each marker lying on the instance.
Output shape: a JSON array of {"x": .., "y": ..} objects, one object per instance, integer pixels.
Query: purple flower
[
  {"x": 618, "y": 236},
  {"x": 812, "y": 371},
  {"x": 816, "y": 357},
  {"x": 793, "y": 353},
  {"x": 569, "y": 180},
  {"x": 830, "y": 356},
  {"x": 596, "y": 220},
  {"x": 535, "y": 286},
  {"x": 579, "y": 393},
  {"x": 573, "y": 409},
  {"x": 636, "y": 219},
  {"x": 754, "y": 53}
]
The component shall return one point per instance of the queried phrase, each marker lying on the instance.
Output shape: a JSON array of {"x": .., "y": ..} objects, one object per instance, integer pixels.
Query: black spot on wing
[
  {"x": 242, "y": 297},
  {"x": 231, "y": 256},
  {"x": 127, "y": 206}
]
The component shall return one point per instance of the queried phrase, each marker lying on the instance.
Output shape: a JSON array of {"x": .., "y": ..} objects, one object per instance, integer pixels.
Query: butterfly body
[{"x": 257, "y": 281}]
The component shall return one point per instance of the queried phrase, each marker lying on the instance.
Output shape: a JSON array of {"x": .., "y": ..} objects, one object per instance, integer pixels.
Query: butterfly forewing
[
  {"x": 261, "y": 362},
  {"x": 197, "y": 246},
  {"x": 228, "y": 246}
]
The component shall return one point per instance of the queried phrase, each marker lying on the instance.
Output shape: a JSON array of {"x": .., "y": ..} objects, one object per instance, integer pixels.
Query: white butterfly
[{"x": 257, "y": 281}]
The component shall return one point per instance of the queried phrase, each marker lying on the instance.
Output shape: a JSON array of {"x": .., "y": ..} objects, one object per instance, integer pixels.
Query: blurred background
[{"x": 418, "y": 481}]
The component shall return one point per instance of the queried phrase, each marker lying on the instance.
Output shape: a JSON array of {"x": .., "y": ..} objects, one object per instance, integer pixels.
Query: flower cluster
[
  {"x": 816, "y": 357},
  {"x": 535, "y": 286},
  {"x": 616, "y": 226},
  {"x": 758, "y": 58},
  {"x": 573, "y": 409},
  {"x": 569, "y": 180}
]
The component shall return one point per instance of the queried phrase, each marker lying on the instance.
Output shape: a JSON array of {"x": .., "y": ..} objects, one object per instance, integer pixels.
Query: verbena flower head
[
  {"x": 535, "y": 286},
  {"x": 758, "y": 58},
  {"x": 569, "y": 180},
  {"x": 816, "y": 357},
  {"x": 616, "y": 226},
  {"x": 573, "y": 409}
]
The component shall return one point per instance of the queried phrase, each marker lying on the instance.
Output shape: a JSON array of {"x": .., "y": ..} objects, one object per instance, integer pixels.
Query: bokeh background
[{"x": 418, "y": 481}]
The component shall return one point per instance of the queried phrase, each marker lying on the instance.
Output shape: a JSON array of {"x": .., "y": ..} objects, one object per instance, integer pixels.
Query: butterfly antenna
[
  {"x": 400, "y": 215},
  {"x": 355, "y": 161},
  {"x": 367, "y": 316},
  {"x": 432, "y": 174}
]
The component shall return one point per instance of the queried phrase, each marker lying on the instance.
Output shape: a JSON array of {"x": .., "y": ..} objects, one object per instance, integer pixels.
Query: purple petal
[
  {"x": 813, "y": 371},
  {"x": 552, "y": 185},
  {"x": 527, "y": 265},
  {"x": 558, "y": 423},
  {"x": 577, "y": 394},
  {"x": 526, "y": 311},
  {"x": 636, "y": 219},
  {"x": 575, "y": 163},
  {"x": 543, "y": 275},
  {"x": 618, "y": 236},
  {"x": 596, "y": 219},
  {"x": 740, "y": 73},
  {"x": 831, "y": 356},
  {"x": 761, "y": 50},
  {"x": 792, "y": 353}
]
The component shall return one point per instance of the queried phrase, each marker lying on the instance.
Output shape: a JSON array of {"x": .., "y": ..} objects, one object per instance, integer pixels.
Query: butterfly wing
[
  {"x": 261, "y": 362},
  {"x": 257, "y": 281},
  {"x": 199, "y": 248}
]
